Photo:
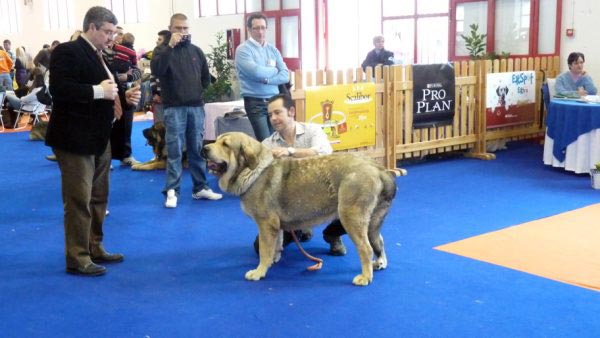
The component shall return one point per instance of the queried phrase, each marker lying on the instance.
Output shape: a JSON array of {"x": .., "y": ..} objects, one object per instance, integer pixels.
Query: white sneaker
[
  {"x": 208, "y": 194},
  {"x": 171, "y": 201},
  {"x": 129, "y": 161}
]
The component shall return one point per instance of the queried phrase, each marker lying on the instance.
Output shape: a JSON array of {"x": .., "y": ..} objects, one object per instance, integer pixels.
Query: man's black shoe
[
  {"x": 336, "y": 246},
  {"x": 88, "y": 270},
  {"x": 108, "y": 258}
]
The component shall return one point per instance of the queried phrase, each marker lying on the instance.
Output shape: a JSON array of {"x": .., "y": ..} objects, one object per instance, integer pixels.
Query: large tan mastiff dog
[{"x": 288, "y": 194}]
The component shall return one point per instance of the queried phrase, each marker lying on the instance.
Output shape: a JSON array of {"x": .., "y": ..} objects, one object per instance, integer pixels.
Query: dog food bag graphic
[
  {"x": 345, "y": 113},
  {"x": 329, "y": 124}
]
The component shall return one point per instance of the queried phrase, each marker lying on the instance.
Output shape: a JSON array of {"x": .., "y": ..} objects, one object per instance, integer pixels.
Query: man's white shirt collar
[
  {"x": 256, "y": 42},
  {"x": 300, "y": 129}
]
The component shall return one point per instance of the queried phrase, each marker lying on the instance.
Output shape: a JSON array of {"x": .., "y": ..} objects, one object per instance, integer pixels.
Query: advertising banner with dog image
[
  {"x": 433, "y": 95},
  {"x": 345, "y": 112},
  {"x": 510, "y": 98}
]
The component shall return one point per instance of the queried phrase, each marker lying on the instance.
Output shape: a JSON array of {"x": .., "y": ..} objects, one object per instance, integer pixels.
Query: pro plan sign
[{"x": 433, "y": 95}]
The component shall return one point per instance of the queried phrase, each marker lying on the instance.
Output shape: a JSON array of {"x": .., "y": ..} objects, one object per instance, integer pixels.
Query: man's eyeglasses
[
  {"x": 259, "y": 28},
  {"x": 109, "y": 32}
]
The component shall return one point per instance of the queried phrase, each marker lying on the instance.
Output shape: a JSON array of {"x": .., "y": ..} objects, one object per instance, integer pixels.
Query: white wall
[
  {"x": 583, "y": 16},
  {"x": 203, "y": 30}
]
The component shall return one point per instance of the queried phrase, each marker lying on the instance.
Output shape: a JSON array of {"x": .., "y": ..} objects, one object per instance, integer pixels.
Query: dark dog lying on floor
[
  {"x": 155, "y": 137},
  {"x": 38, "y": 131}
]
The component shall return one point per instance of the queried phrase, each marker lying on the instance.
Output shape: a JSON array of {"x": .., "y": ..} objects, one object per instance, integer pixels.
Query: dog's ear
[
  {"x": 506, "y": 90},
  {"x": 498, "y": 91},
  {"x": 249, "y": 153}
]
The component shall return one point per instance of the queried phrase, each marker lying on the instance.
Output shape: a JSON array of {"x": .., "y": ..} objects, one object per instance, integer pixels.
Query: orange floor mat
[{"x": 565, "y": 247}]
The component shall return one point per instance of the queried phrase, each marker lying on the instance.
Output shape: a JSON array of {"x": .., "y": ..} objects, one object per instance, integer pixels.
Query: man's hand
[
  {"x": 110, "y": 89},
  {"x": 133, "y": 95},
  {"x": 280, "y": 152},
  {"x": 581, "y": 91},
  {"x": 175, "y": 39}
]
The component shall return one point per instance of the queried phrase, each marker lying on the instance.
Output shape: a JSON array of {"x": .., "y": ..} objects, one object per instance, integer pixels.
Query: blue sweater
[
  {"x": 260, "y": 69},
  {"x": 566, "y": 85}
]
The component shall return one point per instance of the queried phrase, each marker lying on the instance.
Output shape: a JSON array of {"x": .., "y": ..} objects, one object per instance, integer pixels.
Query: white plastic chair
[
  {"x": 551, "y": 87},
  {"x": 35, "y": 109}
]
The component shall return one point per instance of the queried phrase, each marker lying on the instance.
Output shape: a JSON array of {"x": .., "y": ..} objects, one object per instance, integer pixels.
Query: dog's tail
[{"x": 388, "y": 178}]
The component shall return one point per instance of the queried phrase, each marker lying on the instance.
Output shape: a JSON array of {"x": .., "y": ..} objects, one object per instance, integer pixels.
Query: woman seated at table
[
  {"x": 30, "y": 100},
  {"x": 575, "y": 81}
]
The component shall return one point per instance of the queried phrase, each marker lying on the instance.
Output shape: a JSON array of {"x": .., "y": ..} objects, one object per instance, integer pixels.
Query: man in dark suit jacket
[{"x": 85, "y": 104}]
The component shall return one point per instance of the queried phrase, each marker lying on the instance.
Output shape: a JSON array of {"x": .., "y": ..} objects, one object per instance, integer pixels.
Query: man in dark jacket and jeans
[{"x": 182, "y": 70}]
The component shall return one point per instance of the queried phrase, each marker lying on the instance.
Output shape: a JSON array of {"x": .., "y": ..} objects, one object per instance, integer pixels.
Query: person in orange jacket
[{"x": 6, "y": 64}]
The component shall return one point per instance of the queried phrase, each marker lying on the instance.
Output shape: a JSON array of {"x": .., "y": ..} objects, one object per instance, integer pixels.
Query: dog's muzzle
[{"x": 215, "y": 168}]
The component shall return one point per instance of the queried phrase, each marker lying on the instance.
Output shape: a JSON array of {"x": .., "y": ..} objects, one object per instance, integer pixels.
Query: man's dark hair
[
  {"x": 255, "y": 16},
  {"x": 45, "y": 46},
  {"x": 98, "y": 15},
  {"x": 177, "y": 16},
  {"x": 166, "y": 35},
  {"x": 574, "y": 57},
  {"x": 6, "y": 41},
  {"x": 55, "y": 43},
  {"x": 287, "y": 100}
]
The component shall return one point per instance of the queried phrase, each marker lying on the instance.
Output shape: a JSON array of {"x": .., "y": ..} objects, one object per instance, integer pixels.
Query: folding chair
[
  {"x": 35, "y": 109},
  {"x": 2, "y": 97}
]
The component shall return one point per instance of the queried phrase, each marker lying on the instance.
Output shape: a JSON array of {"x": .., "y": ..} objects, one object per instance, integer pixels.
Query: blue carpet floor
[{"x": 183, "y": 275}]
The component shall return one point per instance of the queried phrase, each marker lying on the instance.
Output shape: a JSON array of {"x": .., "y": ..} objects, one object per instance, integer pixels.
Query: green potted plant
[
  {"x": 595, "y": 175},
  {"x": 475, "y": 44},
  {"x": 220, "y": 68}
]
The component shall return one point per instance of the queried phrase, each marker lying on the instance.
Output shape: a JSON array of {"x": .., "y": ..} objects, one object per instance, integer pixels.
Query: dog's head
[
  {"x": 236, "y": 159},
  {"x": 502, "y": 91},
  {"x": 155, "y": 137}
]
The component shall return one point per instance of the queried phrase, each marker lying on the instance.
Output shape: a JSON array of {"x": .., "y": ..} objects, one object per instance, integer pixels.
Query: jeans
[
  {"x": 6, "y": 81},
  {"x": 184, "y": 126},
  {"x": 256, "y": 109}
]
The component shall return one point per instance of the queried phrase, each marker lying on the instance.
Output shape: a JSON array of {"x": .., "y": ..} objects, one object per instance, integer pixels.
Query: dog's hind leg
[
  {"x": 356, "y": 223},
  {"x": 268, "y": 230},
  {"x": 376, "y": 240}
]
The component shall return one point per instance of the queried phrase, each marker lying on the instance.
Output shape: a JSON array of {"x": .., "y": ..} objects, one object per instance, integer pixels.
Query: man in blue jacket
[
  {"x": 261, "y": 70},
  {"x": 182, "y": 70}
]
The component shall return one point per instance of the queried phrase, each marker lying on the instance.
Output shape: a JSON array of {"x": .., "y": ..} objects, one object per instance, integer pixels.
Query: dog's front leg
[{"x": 267, "y": 240}]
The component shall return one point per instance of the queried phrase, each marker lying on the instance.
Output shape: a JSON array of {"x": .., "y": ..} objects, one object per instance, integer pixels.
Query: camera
[{"x": 186, "y": 37}]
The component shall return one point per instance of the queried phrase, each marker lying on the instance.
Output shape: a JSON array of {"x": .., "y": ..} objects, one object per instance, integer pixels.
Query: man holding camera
[{"x": 182, "y": 70}]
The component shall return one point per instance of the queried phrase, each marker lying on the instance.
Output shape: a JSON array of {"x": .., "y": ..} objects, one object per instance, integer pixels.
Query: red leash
[{"x": 319, "y": 261}]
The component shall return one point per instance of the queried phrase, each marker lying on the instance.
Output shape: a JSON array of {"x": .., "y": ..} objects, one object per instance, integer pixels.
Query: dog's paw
[
  {"x": 254, "y": 274},
  {"x": 277, "y": 257},
  {"x": 380, "y": 263},
  {"x": 361, "y": 280}
]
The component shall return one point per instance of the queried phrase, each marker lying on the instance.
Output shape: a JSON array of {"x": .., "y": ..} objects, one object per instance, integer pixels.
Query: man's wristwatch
[{"x": 291, "y": 151}]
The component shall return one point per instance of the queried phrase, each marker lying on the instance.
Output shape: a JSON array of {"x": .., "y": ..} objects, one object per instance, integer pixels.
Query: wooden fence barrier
[{"x": 396, "y": 139}]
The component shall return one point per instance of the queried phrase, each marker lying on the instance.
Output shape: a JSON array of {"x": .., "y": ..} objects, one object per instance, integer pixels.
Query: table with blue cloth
[{"x": 572, "y": 135}]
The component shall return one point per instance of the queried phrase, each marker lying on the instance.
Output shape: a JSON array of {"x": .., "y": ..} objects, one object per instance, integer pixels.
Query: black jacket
[
  {"x": 183, "y": 74},
  {"x": 385, "y": 57},
  {"x": 79, "y": 124}
]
